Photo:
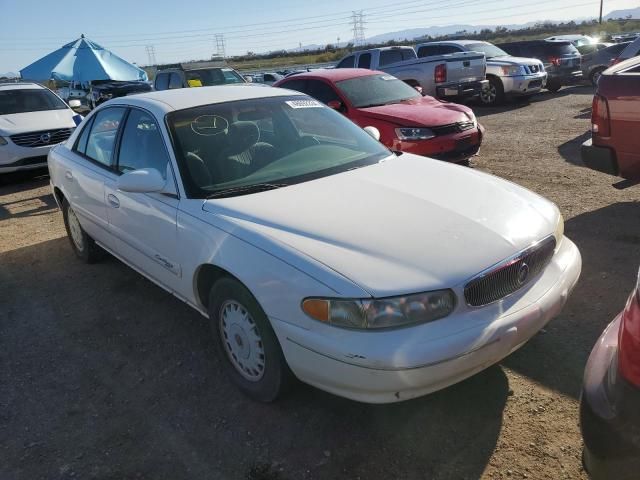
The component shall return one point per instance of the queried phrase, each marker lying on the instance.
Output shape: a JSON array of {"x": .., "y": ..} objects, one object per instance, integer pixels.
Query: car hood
[
  {"x": 407, "y": 224},
  {"x": 511, "y": 61},
  {"x": 35, "y": 121},
  {"x": 421, "y": 111}
]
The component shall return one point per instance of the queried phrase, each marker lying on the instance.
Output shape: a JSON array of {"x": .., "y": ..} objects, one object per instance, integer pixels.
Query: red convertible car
[
  {"x": 407, "y": 121},
  {"x": 614, "y": 146}
]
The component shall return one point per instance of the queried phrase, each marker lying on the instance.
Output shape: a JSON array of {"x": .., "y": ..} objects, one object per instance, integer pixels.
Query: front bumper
[
  {"x": 602, "y": 159},
  {"x": 462, "y": 90},
  {"x": 457, "y": 147},
  {"x": 565, "y": 76},
  {"x": 523, "y": 85},
  {"x": 609, "y": 416},
  {"x": 396, "y": 365},
  {"x": 14, "y": 158}
]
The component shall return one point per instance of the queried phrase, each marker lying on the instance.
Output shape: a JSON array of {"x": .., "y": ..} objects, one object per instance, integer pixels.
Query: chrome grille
[
  {"x": 533, "y": 68},
  {"x": 453, "y": 128},
  {"x": 510, "y": 275},
  {"x": 42, "y": 138}
]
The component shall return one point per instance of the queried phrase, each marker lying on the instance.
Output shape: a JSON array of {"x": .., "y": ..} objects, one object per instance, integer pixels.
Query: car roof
[
  {"x": 568, "y": 37},
  {"x": 181, "y": 98},
  {"x": 459, "y": 42},
  {"x": 20, "y": 86},
  {"x": 336, "y": 74},
  {"x": 537, "y": 42}
]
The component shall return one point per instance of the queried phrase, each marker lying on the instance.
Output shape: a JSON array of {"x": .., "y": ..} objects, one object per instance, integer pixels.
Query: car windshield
[
  {"x": 376, "y": 90},
  {"x": 29, "y": 100},
  {"x": 212, "y": 76},
  {"x": 240, "y": 147},
  {"x": 489, "y": 50}
]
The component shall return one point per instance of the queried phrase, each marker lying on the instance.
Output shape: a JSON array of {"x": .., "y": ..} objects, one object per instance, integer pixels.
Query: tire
[
  {"x": 246, "y": 343},
  {"x": 595, "y": 75},
  {"x": 494, "y": 95},
  {"x": 82, "y": 244},
  {"x": 553, "y": 86}
]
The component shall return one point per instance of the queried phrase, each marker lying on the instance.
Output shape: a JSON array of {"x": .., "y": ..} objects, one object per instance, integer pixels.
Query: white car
[
  {"x": 32, "y": 120},
  {"x": 576, "y": 40},
  {"x": 314, "y": 251}
]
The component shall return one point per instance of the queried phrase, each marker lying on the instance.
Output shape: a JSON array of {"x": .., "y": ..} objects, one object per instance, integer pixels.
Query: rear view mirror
[
  {"x": 373, "y": 131},
  {"x": 144, "y": 180}
]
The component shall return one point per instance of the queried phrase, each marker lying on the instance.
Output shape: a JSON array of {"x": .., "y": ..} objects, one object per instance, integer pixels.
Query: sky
[{"x": 182, "y": 30}]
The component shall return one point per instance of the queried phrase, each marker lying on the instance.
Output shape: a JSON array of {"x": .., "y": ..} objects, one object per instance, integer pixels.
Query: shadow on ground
[
  {"x": 570, "y": 151},
  {"x": 609, "y": 241},
  {"x": 107, "y": 376}
]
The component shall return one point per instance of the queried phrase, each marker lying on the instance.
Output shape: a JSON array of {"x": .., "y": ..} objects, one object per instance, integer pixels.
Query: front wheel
[
  {"x": 494, "y": 94},
  {"x": 553, "y": 86},
  {"x": 247, "y": 345},
  {"x": 83, "y": 245}
]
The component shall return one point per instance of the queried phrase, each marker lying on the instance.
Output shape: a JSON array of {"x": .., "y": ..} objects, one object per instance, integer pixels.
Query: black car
[
  {"x": 561, "y": 60},
  {"x": 103, "y": 90},
  {"x": 610, "y": 402},
  {"x": 195, "y": 75}
]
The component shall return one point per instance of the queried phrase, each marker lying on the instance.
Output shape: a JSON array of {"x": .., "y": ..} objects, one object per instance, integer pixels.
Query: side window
[
  {"x": 141, "y": 145},
  {"x": 162, "y": 81},
  {"x": 269, "y": 78},
  {"x": 175, "y": 81},
  {"x": 390, "y": 56},
  {"x": 321, "y": 91},
  {"x": 297, "y": 85},
  {"x": 429, "y": 51},
  {"x": 102, "y": 138},
  {"x": 364, "y": 61},
  {"x": 81, "y": 145},
  {"x": 348, "y": 62}
]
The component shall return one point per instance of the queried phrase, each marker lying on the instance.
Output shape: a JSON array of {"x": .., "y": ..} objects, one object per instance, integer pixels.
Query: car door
[
  {"x": 144, "y": 223},
  {"x": 90, "y": 166}
]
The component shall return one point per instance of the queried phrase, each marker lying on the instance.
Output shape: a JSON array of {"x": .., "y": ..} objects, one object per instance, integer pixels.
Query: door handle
[
  {"x": 113, "y": 200},
  {"x": 68, "y": 175}
]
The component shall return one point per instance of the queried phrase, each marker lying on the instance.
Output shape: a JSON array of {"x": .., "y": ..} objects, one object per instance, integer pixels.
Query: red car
[
  {"x": 407, "y": 121},
  {"x": 614, "y": 146},
  {"x": 610, "y": 402}
]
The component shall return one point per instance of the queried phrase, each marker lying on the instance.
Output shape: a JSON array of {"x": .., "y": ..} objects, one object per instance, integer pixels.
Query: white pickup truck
[
  {"x": 508, "y": 76},
  {"x": 458, "y": 75}
]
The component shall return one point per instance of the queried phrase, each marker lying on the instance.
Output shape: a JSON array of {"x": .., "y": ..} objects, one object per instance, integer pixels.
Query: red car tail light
[
  {"x": 440, "y": 74},
  {"x": 555, "y": 61},
  {"x": 600, "y": 116},
  {"x": 629, "y": 341}
]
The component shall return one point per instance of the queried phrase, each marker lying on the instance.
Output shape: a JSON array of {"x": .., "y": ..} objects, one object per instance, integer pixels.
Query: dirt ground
[{"x": 104, "y": 375}]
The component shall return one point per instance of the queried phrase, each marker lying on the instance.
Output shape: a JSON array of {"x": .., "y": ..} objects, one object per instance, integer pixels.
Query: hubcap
[
  {"x": 75, "y": 229},
  {"x": 489, "y": 95},
  {"x": 242, "y": 341}
]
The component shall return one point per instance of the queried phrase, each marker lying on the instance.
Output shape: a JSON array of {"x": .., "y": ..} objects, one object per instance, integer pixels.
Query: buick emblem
[
  {"x": 45, "y": 137},
  {"x": 523, "y": 273}
]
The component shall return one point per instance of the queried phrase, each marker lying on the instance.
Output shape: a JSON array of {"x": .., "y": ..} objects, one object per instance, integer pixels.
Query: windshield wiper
[{"x": 245, "y": 190}]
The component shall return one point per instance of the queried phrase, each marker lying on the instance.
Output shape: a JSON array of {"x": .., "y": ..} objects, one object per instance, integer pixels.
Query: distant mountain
[
  {"x": 9, "y": 75},
  {"x": 630, "y": 12}
]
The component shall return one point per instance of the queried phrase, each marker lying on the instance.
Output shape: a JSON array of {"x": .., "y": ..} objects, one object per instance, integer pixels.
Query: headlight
[
  {"x": 3, "y": 141},
  {"x": 381, "y": 313},
  {"x": 559, "y": 233},
  {"x": 511, "y": 71},
  {"x": 414, "y": 133}
]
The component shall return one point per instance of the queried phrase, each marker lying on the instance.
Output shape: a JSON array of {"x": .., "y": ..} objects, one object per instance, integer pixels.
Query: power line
[
  {"x": 358, "y": 28},
  {"x": 220, "y": 47},
  {"x": 151, "y": 53}
]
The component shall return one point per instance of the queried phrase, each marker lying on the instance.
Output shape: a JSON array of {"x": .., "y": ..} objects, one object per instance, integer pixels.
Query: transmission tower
[
  {"x": 357, "y": 20},
  {"x": 220, "y": 52},
  {"x": 151, "y": 54}
]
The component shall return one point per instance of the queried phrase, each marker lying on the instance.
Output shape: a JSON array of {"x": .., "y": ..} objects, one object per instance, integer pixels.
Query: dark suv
[
  {"x": 561, "y": 60},
  {"x": 182, "y": 76}
]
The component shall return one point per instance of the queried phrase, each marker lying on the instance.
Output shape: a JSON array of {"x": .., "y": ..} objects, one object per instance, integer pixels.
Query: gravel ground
[{"x": 104, "y": 375}]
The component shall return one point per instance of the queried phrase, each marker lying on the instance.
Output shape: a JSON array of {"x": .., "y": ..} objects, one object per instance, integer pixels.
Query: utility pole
[
  {"x": 601, "y": 2},
  {"x": 220, "y": 46},
  {"x": 151, "y": 54},
  {"x": 357, "y": 20}
]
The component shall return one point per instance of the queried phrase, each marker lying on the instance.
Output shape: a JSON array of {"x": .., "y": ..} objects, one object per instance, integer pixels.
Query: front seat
[{"x": 245, "y": 152}]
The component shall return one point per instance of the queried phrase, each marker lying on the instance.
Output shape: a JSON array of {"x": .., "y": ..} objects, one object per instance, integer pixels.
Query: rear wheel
[
  {"x": 553, "y": 86},
  {"x": 247, "y": 345},
  {"x": 494, "y": 94},
  {"x": 83, "y": 245}
]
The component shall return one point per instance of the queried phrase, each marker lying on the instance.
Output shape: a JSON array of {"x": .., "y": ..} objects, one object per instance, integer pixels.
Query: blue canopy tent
[{"x": 82, "y": 61}]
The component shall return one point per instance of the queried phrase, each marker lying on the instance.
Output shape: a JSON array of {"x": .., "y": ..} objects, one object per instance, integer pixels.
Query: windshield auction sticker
[{"x": 303, "y": 104}]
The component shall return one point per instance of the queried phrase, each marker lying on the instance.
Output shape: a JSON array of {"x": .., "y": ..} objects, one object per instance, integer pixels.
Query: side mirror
[
  {"x": 144, "y": 180},
  {"x": 248, "y": 78},
  {"x": 418, "y": 89},
  {"x": 373, "y": 131},
  {"x": 75, "y": 103},
  {"x": 335, "y": 104}
]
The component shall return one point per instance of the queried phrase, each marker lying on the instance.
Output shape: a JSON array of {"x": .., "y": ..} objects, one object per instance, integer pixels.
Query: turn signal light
[{"x": 316, "y": 308}]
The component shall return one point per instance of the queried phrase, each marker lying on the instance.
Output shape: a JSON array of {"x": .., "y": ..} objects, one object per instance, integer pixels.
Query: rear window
[
  {"x": 348, "y": 62},
  {"x": 29, "y": 100},
  {"x": 396, "y": 55},
  {"x": 212, "y": 76},
  {"x": 560, "y": 49}
]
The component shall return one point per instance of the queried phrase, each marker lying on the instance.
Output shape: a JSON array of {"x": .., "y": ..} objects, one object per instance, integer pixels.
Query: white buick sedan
[{"x": 313, "y": 250}]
